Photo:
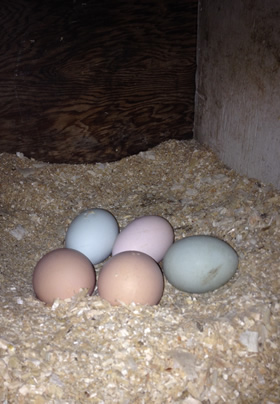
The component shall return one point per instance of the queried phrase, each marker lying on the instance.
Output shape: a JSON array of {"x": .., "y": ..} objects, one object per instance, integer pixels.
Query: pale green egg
[{"x": 199, "y": 264}]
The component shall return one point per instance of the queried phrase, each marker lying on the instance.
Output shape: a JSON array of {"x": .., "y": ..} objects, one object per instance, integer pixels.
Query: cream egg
[
  {"x": 131, "y": 277},
  {"x": 199, "y": 264},
  {"x": 61, "y": 273},
  {"x": 151, "y": 234}
]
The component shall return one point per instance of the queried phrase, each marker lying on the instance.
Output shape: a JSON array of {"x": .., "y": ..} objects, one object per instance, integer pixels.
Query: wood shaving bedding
[{"x": 218, "y": 347}]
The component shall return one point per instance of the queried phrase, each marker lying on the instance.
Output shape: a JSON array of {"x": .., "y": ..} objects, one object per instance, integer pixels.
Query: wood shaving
[{"x": 218, "y": 347}]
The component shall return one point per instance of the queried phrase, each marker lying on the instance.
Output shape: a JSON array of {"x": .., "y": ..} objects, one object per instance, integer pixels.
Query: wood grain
[
  {"x": 88, "y": 81},
  {"x": 238, "y": 76}
]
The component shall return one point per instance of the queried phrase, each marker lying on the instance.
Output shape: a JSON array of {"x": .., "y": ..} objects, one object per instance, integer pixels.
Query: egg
[
  {"x": 199, "y": 264},
  {"x": 61, "y": 273},
  {"x": 93, "y": 233},
  {"x": 131, "y": 277},
  {"x": 151, "y": 234}
]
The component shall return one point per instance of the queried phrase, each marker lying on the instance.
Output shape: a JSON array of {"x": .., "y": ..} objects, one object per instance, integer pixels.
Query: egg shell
[
  {"x": 93, "y": 233},
  {"x": 199, "y": 264},
  {"x": 131, "y": 277},
  {"x": 61, "y": 273},
  {"x": 151, "y": 234}
]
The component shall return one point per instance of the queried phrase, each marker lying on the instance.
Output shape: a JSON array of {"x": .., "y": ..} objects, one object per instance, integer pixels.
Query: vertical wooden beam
[{"x": 238, "y": 85}]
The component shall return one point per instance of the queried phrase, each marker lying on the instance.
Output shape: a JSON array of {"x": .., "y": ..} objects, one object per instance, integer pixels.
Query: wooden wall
[
  {"x": 238, "y": 84},
  {"x": 85, "y": 81}
]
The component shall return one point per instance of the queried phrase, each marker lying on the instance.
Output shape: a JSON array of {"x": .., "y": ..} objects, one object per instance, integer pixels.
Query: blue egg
[
  {"x": 199, "y": 264},
  {"x": 93, "y": 233}
]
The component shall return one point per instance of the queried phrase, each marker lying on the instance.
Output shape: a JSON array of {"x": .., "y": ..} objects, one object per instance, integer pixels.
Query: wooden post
[{"x": 237, "y": 109}]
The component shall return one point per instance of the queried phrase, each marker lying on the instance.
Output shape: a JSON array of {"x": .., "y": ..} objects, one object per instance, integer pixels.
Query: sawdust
[{"x": 218, "y": 347}]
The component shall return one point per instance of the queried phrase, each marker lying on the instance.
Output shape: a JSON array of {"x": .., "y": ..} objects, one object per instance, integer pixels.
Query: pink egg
[
  {"x": 152, "y": 235},
  {"x": 131, "y": 277},
  {"x": 61, "y": 273}
]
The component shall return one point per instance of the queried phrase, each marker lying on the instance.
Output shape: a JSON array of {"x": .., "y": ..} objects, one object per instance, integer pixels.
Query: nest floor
[{"x": 218, "y": 347}]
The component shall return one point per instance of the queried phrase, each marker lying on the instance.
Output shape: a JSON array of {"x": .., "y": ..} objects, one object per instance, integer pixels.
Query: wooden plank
[
  {"x": 87, "y": 81},
  {"x": 237, "y": 97}
]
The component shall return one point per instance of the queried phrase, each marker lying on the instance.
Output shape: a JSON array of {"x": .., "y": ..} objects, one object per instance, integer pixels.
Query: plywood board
[{"x": 98, "y": 80}]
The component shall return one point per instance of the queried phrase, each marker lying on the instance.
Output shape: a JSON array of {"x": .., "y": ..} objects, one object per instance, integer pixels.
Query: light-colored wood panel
[{"x": 238, "y": 85}]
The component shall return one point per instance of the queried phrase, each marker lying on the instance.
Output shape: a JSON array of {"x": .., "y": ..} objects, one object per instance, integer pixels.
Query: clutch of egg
[{"x": 195, "y": 264}]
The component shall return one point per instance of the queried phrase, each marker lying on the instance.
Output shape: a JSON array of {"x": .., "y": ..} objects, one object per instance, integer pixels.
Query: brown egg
[
  {"x": 61, "y": 274},
  {"x": 131, "y": 276}
]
